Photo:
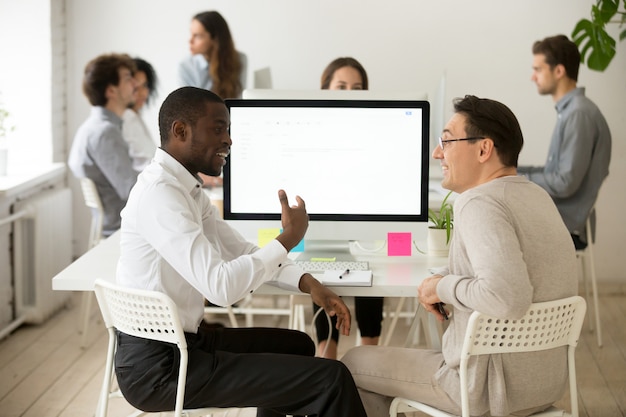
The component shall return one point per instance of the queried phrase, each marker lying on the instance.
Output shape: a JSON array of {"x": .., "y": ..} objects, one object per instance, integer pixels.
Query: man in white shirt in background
[
  {"x": 174, "y": 241},
  {"x": 580, "y": 150},
  {"x": 99, "y": 151}
]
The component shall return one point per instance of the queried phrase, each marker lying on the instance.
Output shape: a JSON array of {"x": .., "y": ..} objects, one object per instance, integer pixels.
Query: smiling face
[
  {"x": 204, "y": 147},
  {"x": 346, "y": 78},
  {"x": 458, "y": 160}
]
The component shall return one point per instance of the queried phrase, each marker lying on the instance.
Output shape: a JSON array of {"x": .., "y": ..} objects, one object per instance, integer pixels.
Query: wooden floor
[{"x": 44, "y": 372}]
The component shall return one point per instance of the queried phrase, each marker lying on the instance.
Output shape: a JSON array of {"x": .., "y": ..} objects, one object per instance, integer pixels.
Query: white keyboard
[{"x": 321, "y": 266}]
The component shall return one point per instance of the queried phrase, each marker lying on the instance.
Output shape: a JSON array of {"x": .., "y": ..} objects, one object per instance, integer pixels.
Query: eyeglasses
[{"x": 443, "y": 142}]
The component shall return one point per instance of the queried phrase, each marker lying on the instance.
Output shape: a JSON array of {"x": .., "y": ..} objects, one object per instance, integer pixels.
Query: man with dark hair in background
[
  {"x": 99, "y": 151},
  {"x": 580, "y": 150}
]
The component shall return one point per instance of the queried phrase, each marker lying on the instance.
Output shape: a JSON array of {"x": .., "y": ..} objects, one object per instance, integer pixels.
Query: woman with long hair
[{"x": 214, "y": 63}]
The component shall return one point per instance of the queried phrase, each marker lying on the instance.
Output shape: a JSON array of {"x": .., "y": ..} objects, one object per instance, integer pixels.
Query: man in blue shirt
[
  {"x": 580, "y": 150},
  {"x": 99, "y": 151}
]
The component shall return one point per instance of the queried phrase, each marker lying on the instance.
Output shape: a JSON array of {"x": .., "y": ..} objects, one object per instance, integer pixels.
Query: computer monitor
[
  {"x": 278, "y": 94},
  {"x": 360, "y": 165}
]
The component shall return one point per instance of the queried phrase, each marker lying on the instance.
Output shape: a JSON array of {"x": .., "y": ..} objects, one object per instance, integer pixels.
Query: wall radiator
[{"x": 42, "y": 247}]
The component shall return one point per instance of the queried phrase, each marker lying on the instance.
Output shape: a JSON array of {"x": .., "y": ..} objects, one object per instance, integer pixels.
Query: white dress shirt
[
  {"x": 174, "y": 241},
  {"x": 141, "y": 147}
]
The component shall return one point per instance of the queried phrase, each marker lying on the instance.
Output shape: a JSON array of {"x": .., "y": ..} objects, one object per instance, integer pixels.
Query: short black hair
[
  {"x": 186, "y": 104},
  {"x": 492, "y": 119}
]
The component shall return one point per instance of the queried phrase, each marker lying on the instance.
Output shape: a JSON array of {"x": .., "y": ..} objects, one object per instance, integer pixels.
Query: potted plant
[{"x": 440, "y": 232}]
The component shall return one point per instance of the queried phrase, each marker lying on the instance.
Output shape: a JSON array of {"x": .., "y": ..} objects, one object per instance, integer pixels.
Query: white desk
[{"x": 392, "y": 276}]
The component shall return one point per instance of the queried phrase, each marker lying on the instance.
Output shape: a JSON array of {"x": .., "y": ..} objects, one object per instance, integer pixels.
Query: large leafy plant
[
  {"x": 442, "y": 218},
  {"x": 596, "y": 46}
]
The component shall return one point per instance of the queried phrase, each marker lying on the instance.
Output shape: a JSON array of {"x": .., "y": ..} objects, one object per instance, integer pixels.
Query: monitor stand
[{"x": 334, "y": 250}]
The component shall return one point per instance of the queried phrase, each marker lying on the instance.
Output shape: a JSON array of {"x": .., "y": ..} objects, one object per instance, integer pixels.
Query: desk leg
[
  {"x": 432, "y": 329},
  {"x": 394, "y": 321}
]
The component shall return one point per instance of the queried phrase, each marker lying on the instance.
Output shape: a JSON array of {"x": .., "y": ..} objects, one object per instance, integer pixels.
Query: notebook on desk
[{"x": 339, "y": 278}]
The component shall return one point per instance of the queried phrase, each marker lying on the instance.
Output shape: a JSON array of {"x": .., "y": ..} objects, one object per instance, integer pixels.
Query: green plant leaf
[
  {"x": 594, "y": 43},
  {"x": 604, "y": 10},
  {"x": 442, "y": 219}
]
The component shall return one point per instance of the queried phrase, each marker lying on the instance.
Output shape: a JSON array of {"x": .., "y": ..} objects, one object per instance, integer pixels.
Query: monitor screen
[
  {"x": 269, "y": 94},
  {"x": 361, "y": 166}
]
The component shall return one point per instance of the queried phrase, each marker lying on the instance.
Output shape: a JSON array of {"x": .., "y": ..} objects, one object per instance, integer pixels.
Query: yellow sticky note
[{"x": 264, "y": 236}]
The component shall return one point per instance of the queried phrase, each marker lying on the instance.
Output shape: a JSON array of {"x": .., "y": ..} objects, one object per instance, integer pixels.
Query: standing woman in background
[
  {"x": 348, "y": 74},
  {"x": 214, "y": 63},
  {"x": 141, "y": 146}
]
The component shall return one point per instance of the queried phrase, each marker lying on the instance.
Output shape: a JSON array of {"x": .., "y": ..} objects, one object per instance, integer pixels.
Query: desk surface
[{"x": 392, "y": 276}]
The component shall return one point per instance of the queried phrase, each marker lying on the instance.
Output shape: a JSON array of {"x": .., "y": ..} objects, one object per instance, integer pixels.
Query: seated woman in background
[
  {"x": 141, "y": 146},
  {"x": 348, "y": 74},
  {"x": 214, "y": 63},
  {"x": 344, "y": 74}
]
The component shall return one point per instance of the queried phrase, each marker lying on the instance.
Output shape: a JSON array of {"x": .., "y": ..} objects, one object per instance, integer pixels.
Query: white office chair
[
  {"x": 93, "y": 202},
  {"x": 546, "y": 326},
  {"x": 149, "y": 315},
  {"x": 588, "y": 272}
]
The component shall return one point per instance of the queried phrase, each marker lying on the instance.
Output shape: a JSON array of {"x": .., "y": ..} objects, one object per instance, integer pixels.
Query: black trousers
[
  {"x": 271, "y": 369},
  {"x": 578, "y": 243},
  {"x": 369, "y": 317}
]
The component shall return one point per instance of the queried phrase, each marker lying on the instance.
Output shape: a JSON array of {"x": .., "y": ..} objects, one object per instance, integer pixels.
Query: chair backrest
[
  {"x": 545, "y": 325},
  {"x": 146, "y": 314},
  {"x": 141, "y": 313},
  {"x": 92, "y": 200}
]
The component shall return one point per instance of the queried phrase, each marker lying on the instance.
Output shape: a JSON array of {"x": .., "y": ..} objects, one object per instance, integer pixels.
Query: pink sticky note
[{"x": 399, "y": 244}]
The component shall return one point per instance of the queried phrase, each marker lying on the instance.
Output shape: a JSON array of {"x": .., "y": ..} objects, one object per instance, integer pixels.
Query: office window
[{"x": 32, "y": 86}]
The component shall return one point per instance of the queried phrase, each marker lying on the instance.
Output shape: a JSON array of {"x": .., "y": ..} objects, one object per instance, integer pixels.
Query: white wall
[{"x": 484, "y": 47}]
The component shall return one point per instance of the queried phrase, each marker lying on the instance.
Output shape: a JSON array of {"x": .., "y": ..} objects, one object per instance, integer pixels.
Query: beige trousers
[{"x": 382, "y": 373}]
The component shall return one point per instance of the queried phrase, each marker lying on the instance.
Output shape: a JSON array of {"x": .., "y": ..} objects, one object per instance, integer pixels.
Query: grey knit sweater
[{"x": 510, "y": 248}]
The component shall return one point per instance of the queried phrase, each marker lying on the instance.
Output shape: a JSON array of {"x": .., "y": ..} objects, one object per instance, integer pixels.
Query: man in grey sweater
[{"x": 510, "y": 249}]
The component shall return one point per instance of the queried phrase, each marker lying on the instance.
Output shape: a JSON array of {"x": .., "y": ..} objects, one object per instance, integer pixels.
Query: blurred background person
[
  {"x": 141, "y": 145},
  {"x": 99, "y": 151},
  {"x": 214, "y": 63},
  {"x": 348, "y": 74},
  {"x": 344, "y": 74}
]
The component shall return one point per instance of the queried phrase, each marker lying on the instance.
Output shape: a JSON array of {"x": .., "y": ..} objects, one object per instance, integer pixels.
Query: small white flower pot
[{"x": 436, "y": 242}]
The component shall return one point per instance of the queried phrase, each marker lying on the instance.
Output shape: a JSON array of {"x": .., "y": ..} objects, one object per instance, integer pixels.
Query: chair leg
[
  {"x": 85, "y": 315},
  {"x": 296, "y": 315},
  {"x": 596, "y": 304},
  {"x": 589, "y": 274},
  {"x": 231, "y": 317}
]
